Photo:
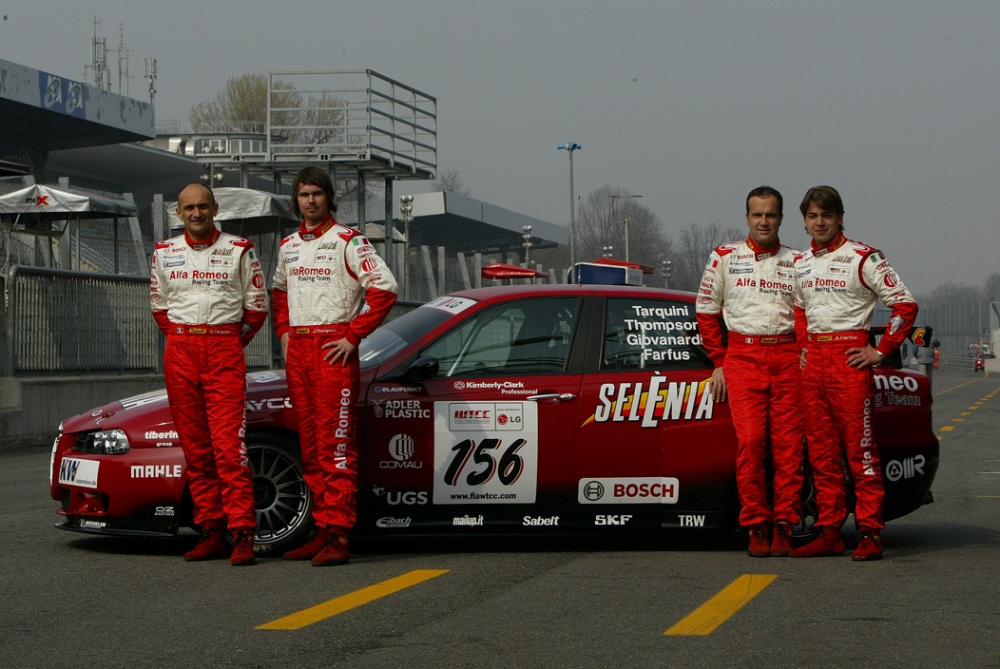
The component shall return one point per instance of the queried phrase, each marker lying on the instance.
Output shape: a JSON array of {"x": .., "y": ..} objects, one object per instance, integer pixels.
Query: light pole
[
  {"x": 665, "y": 267},
  {"x": 608, "y": 251},
  {"x": 570, "y": 148},
  {"x": 406, "y": 213},
  {"x": 622, "y": 197},
  {"x": 527, "y": 244}
]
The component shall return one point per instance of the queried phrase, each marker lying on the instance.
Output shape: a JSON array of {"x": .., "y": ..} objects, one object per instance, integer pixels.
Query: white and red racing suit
[
  {"x": 329, "y": 284},
  {"x": 209, "y": 299},
  {"x": 752, "y": 291},
  {"x": 839, "y": 285}
]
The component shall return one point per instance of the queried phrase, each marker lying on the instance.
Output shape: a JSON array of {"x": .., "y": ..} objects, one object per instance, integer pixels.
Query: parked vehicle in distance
[{"x": 537, "y": 409}]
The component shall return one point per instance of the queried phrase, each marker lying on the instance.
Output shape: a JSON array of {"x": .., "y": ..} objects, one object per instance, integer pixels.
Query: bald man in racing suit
[
  {"x": 749, "y": 288},
  {"x": 331, "y": 289},
  {"x": 839, "y": 283},
  {"x": 208, "y": 297}
]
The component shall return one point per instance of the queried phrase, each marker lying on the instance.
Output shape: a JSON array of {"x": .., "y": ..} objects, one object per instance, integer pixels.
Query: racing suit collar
[
  {"x": 834, "y": 244},
  {"x": 309, "y": 234},
  {"x": 760, "y": 253},
  {"x": 204, "y": 244}
]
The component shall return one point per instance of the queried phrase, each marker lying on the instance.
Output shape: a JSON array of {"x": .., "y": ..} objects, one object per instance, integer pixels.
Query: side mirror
[{"x": 423, "y": 368}]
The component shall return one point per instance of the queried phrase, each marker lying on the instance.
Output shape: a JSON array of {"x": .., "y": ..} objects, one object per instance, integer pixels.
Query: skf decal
[{"x": 660, "y": 401}]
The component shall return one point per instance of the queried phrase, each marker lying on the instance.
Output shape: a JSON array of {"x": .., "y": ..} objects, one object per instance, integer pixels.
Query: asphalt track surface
[{"x": 87, "y": 602}]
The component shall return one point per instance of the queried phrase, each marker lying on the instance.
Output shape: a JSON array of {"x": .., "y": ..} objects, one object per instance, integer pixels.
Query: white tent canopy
[
  {"x": 245, "y": 211},
  {"x": 39, "y": 209}
]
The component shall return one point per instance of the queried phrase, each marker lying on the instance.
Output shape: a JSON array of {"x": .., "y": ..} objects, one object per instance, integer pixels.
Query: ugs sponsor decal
[
  {"x": 649, "y": 490},
  {"x": 402, "y": 497},
  {"x": 390, "y": 523},
  {"x": 661, "y": 401}
]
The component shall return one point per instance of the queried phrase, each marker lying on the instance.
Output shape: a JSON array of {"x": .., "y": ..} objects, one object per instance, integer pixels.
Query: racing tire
[{"x": 284, "y": 505}]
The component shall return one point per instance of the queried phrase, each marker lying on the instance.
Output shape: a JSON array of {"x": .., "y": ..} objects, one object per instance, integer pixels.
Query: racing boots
[
  {"x": 829, "y": 542},
  {"x": 760, "y": 541},
  {"x": 309, "y": 551},
  {"x": 242, "y": 548},
  {"x": 869, "y": 546},
  {"x": 334, "y": 550},
  {"x": 781, "y": 540},
  {"x": 212, "y": 545}
]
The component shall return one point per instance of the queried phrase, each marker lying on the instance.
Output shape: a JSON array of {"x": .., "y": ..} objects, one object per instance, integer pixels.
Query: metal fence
[{"x": 64, "y": 322}]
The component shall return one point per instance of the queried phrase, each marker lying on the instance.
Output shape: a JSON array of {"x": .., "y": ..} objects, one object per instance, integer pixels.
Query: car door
[
  {"x": 486, "y": 436},
  {"x": 652, "y": 447}
]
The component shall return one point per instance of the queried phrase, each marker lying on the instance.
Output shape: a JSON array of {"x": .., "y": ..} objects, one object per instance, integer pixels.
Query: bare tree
[
  {"x": 450, "y": 181},
  {"x": 241, "y": 106},
  {"x": 696, "y": 243},
  {"x": 991, "y": 287},
  {"x": 598, "y": 227}
]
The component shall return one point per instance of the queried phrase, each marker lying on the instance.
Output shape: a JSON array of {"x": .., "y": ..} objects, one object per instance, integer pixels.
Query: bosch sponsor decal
[
  {"x": 653, "y": 403},
  {"x": 78, "y": 472},
  {"x": 906, "y": 468},
  {"x": 485, "y": 452},
  {"x": 401, "y": 449},
  {"x": 642, "y": 490},
  {"x": 453, "y": 305}
]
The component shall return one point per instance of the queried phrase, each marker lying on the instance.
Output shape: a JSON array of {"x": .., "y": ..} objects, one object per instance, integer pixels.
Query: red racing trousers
[
  {"x": 839, "y": 401},
  {"x": 323, "y": 396},
  {"x": 762, "y": 380},
  {"x": 206, "y": 385}
]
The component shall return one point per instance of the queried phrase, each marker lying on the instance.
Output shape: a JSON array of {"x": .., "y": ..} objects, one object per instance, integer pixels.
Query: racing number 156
[{"x": 507, "y": 469}]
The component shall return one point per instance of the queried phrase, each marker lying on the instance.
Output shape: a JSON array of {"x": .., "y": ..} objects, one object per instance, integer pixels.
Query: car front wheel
[{"x": 284, "y": 505}]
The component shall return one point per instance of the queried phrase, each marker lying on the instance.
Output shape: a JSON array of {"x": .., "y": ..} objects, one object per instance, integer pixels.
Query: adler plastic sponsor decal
[
  {"x": 645, "y": 490},
  {"x": 400, "y": 409},
  {"x": 652, "y": 403},
  {"x": 485, "y": 452},
  {"x": 78, "y": 472}
]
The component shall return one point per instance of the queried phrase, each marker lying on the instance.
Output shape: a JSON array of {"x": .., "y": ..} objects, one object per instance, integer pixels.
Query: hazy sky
[{"x": 689, "y": 104}]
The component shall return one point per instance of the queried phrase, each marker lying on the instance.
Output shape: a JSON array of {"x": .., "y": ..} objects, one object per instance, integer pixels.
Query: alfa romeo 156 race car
[{"x": 512, "y": 410}]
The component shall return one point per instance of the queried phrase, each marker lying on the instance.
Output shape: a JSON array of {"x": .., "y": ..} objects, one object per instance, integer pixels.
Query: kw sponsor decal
[{"x": 78, "y": 472}]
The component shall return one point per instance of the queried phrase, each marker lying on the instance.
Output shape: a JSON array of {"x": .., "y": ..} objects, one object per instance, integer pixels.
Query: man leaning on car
[
  {"x": 209, "y": 298},
  {"x": 839, "y": 283},
  {"x": 749, "y": 287}
]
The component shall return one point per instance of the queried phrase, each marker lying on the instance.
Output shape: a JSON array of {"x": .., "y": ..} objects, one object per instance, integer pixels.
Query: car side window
[
  {"x": 651, "y": 334},
  {"x": 523, "y": 337}
]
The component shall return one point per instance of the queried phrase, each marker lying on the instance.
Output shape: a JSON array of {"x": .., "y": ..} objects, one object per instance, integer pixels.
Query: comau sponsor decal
[{"x": 649, "y": 490}]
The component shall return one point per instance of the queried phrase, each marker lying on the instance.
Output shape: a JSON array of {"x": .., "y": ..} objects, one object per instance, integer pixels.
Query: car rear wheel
[{"x": 284, "y": 505}]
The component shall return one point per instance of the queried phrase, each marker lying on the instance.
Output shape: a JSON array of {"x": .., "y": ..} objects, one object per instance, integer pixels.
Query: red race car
[{"x": 519, "y": 409}]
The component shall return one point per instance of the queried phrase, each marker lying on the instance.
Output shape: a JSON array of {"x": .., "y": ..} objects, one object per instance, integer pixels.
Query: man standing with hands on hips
[
  {"x": 331, "y": 290},
  {"x": 839, "y": 283},
  {"x": 749, "y": 288},
  {"x": 208, "y": 297}
]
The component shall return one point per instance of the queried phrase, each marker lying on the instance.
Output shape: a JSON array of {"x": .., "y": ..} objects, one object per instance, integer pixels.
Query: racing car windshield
[{"x": 398, "y": 333}]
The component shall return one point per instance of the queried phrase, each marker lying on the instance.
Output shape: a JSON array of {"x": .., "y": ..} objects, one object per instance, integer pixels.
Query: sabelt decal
[
  {"x": 81, "y": 473},
  {"x": 647, "y": 490},
  {"x": 652, "y": 403},
  {"x": 485, "y": 452}
]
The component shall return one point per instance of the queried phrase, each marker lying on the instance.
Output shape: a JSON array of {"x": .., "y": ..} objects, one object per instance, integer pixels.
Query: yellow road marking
[
  {"x": 719, "y": 609},
  {"x": 335, "y": 606},
  {"x": 947, "y": 428}
]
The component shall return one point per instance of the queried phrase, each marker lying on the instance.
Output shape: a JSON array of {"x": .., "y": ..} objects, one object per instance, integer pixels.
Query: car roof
[{"x": 495, "y": 293}]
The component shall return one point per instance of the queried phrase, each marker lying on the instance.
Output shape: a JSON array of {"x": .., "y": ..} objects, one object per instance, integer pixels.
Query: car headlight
[{"x": 105, "y": 442}]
